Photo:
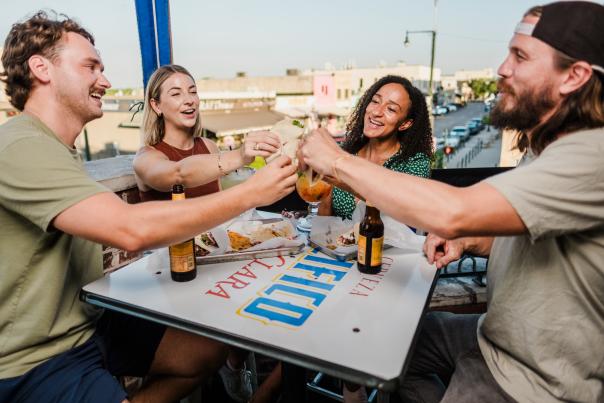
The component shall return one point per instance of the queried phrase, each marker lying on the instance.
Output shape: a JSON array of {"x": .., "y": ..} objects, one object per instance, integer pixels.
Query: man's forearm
[
  {"x": 447, "y": 211},
  {"x": 190, "y": 217},
  {"x": 418, "y": 202},
  {"x": 106, "y": 219}
]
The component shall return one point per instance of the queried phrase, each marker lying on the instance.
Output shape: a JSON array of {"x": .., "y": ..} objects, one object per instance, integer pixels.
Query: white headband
[{"x": 524, "y": 28}]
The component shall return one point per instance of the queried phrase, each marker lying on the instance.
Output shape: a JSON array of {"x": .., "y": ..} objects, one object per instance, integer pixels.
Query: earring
[{"x": 160, "y": 115}]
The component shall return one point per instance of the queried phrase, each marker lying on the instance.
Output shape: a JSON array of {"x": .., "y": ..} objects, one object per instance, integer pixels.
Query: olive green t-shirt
[
  {"x": 41, "y": 269},
  {"x": 543, "y": 334}
]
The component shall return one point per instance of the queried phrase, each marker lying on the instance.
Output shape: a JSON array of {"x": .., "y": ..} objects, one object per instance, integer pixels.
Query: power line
[{"x": 471, "y": 38}]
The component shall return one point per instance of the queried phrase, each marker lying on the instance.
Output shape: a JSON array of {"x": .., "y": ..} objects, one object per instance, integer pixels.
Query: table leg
[{"x": 293, "y": 389}]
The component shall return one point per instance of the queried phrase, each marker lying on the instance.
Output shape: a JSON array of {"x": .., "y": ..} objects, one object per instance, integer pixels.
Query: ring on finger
[{"x": 257, "y": 147}]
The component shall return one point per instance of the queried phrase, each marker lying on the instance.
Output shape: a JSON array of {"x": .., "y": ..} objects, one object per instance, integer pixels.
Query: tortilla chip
[{"x": 238, "y": 241}]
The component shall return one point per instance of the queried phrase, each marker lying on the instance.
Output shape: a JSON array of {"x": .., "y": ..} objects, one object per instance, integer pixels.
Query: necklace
[{"x": 381, "y": 158}]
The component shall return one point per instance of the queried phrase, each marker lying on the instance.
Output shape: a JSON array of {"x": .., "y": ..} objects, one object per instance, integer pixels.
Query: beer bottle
[
  {"x": 371, "y": 241},
  {"x": 182, "y": 255}
]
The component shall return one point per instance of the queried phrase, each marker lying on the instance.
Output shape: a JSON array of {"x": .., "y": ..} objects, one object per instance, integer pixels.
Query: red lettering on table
[
  {"x": 246, "y": 272},
  {"x": 234, "y": 282},
  {"x": 260, "y": 262},
  {"x": 370, "y": 283},
  {"x": 221, "y": 293},
  {"x": 364, "y": 286}
]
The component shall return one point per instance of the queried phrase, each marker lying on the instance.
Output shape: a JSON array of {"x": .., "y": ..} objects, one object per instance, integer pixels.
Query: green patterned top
[{"x": 343, "y": 203}]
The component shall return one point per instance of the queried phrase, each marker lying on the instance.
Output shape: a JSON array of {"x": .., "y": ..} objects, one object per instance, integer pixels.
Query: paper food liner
[
  {"x": 249, "y": 224},
  {"x": 325, "y": 231}
]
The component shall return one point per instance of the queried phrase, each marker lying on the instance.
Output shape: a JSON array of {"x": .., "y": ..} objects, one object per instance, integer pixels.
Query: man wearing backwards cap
[{"x": 542, "y": 338}]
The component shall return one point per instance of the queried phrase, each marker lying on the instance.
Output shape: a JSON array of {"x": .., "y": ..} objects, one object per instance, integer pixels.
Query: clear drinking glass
[
  {"x": 311, "y": 189},
  {"x": 236, "y": 177}
]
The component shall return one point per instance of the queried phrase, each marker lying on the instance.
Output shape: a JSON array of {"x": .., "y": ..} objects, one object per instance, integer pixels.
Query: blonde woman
[{"x": 174, "y": 151}]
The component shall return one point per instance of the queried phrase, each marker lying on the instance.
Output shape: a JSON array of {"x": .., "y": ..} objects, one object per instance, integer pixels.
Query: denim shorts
[{"x": 121, "y": 345}]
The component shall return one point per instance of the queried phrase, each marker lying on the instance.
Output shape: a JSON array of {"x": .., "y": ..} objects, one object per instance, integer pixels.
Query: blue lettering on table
[{"x": 293, "y": 297}]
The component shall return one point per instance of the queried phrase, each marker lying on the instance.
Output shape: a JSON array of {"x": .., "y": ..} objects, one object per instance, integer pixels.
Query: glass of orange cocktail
[{"x": 311, "y": 188}]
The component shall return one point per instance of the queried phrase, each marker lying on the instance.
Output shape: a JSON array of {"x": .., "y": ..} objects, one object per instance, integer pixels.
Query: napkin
[{"x": 325, "y": 231}]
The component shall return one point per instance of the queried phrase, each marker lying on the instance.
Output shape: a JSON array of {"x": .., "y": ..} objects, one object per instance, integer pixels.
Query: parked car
[
  {"x": 439, "y": 110},
  {"x": 479, "y": 122},
  {"x": 450, "y": 107},
  {"x": 473, "y": 127},
  {"x": 460, "y": 131},
  {"x": 453, "y": 141}
]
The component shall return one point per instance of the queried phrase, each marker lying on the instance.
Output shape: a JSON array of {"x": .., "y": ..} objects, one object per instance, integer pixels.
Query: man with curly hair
[{"x": 54, "y": 218}]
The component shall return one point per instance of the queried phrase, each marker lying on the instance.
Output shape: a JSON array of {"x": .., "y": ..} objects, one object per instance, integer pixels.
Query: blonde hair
[{"x": 153, "y": 128}]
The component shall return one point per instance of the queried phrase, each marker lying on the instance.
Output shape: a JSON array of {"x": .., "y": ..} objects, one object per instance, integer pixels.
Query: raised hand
[
  {"x": 259, "y": 143},
  {"x": 318, "y": 150},
  {"x": 273, "y": 182}
]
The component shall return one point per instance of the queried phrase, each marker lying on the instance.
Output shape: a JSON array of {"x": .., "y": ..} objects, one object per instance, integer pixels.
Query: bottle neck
[
  {"x": 372, "y": 212},
  {"x": 178, "y": 192}
]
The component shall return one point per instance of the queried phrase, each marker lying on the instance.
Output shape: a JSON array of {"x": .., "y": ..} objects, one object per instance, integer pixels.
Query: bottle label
[
  {"x": 376, "y": 245},
  {"x": 182, "y": 257},
  {"x": 362, "y": 248}
]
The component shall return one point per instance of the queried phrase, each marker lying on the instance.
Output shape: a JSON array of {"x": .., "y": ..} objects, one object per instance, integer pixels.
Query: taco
[
  {"x": 205, "y": 244},
  {"x": 290, "y": 131}
]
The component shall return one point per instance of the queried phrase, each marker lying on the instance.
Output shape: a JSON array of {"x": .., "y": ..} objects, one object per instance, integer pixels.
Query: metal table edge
[{"x": 289, "y": 356}]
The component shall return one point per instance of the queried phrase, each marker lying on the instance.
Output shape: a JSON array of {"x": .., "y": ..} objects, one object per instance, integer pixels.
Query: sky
[{"x": 265, "y": 37}]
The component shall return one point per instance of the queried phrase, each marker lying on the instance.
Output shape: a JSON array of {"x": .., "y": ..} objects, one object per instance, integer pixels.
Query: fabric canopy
[{"x": 153, "y": 18}]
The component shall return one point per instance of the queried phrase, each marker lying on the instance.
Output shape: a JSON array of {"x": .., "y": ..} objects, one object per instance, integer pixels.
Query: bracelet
[
  {"x": 334, "y": 166},
  {"x": 220, "y": 168}
]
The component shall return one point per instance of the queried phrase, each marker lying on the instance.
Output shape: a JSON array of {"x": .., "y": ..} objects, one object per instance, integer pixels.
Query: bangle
[
  {"x": 334, "y": 166},
  {"x": 220, "y": 168}
]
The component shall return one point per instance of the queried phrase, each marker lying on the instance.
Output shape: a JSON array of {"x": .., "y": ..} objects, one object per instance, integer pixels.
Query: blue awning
[{"x": 155, "y": 37}]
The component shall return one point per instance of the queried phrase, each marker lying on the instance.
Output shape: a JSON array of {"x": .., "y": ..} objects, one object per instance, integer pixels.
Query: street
[
  {"x": 480, "y": 150},
  {"x": 458, "y": 118}
]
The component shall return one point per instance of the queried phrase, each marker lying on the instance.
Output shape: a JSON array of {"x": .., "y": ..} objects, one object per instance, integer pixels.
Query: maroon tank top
[{"x": 176, "y": 154}]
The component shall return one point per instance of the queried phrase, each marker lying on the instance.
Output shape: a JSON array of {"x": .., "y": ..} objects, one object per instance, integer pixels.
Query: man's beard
[{"x": 528, "y": 111}]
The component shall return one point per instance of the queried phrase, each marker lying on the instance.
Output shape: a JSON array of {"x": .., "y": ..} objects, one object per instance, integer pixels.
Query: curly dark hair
[
  {"x": 415, "y": 139},
  {"x": 38, "y": 35}
]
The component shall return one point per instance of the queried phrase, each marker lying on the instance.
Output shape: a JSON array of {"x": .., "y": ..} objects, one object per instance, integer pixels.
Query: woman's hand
[
  {"x": 259, "y": 143},
  {"x": 319, "y": 151}
]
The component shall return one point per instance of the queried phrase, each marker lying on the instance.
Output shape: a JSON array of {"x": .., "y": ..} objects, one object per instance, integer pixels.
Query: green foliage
[
  {"x": 438, "y": 159},
  {"x": 124, "y": 91},
  {"x": 482, "y": 88}
]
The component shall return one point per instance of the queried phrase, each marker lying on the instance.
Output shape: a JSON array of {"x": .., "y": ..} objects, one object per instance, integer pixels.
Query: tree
[{"x": 481, "y": 87}]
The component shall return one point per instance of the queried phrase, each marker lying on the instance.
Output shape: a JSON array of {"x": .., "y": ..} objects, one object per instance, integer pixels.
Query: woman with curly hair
[{"x": 390, "y": 126}]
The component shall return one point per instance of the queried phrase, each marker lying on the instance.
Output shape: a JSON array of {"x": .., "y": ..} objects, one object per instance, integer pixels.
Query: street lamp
[
  {"x": 407, "y": 43},
  {"x": 433, "y": 33}
]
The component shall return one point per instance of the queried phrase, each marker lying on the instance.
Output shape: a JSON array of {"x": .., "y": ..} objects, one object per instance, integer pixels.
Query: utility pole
[{"x": 432, "y": 52}]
